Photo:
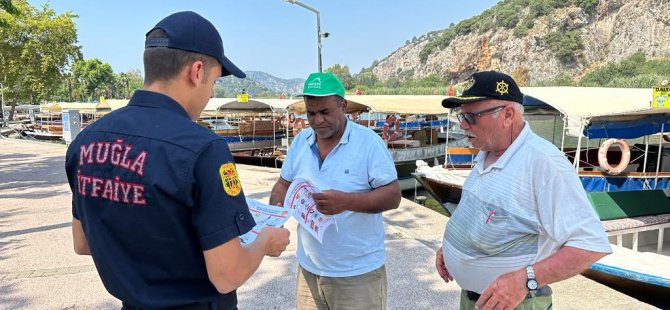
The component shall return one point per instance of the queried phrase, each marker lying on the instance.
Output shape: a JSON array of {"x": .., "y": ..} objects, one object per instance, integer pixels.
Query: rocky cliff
[{"x": 613, "y": 31}]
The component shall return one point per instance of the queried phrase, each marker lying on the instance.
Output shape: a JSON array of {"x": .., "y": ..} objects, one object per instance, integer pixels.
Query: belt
[
  {"x": 221, "y": 304},
  {"x": 542, "y": 291}
]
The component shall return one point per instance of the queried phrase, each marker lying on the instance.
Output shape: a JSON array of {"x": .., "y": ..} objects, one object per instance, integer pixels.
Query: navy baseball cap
[
  {"x": 487, "y": 85},
  {"x": 191, "y": 32}
]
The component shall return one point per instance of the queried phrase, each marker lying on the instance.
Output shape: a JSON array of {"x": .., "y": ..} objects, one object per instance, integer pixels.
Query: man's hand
[
  {"x": 331, "y": 202},
  {"x": 441, "y": 267},
  {"x": 506, "y": 292},
  {"x": 277, "y": 240}
]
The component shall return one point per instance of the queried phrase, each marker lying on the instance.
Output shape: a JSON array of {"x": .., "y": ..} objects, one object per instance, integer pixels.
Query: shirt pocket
[{"x": 502, "y": 233}]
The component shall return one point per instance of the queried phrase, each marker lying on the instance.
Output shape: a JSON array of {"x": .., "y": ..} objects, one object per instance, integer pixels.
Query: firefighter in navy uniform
[{"x": 157, "y": 201}]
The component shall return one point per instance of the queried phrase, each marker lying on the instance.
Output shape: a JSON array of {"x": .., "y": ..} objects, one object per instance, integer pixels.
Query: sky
[{"x": 273, "y": 36}]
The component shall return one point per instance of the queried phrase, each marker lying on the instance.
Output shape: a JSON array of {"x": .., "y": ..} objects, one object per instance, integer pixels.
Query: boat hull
[
  {"x": 647, "y": 288},
  {"x": 263, "y": 157}
]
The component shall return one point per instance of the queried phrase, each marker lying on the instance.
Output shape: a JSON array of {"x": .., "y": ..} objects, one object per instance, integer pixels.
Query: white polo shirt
[
  {"x": 359, "y": 163},
  {"x": 517, "y": 212}
]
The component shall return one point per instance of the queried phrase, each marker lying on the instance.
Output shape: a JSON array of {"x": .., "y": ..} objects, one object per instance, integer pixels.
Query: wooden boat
[
  {"x": 46, "y": 130},
  {"x": 264, "y": 157},
  {"x": 254, "y": 129},
  {"x": 636, "y": 222},
  {"x": 41, "y": 135}
]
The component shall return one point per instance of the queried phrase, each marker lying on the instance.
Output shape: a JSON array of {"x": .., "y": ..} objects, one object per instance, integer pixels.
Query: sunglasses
[{"x": 470, "y": 117}]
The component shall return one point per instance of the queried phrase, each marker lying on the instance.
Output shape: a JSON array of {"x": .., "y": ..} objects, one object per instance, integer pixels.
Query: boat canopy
[
  {"x": 600, "y": 112},
  {"x": 83, "y": 107},
  {"x": 212, "y": 107},
  {"x": 256, "y": 106},
  {"x": 592, "y": 101},
  {"x": 402, "y": 104},
  {"x": 630, "y": 125},
  {"x": 115, "y": 104}
]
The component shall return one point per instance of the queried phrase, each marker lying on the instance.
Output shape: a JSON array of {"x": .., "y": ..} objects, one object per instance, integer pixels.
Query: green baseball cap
[{"x": 321, "y": 84}]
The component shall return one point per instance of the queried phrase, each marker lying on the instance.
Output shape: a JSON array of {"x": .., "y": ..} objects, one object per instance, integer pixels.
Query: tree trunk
[{"x": 11, "y": 111}]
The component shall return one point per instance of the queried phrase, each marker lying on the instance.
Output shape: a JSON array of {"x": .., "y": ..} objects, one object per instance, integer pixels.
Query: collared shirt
[
  {"x": 359, "y": 163},
  {"x": 518, "y": 211},
  {"x": 153, "y": 190}
]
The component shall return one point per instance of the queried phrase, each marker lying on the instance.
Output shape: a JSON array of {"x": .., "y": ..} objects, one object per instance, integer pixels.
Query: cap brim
[
  {"x": 228, "y": 68},
  {"x": 318, "y": 95},
  {"x": 455, "y": 102}
]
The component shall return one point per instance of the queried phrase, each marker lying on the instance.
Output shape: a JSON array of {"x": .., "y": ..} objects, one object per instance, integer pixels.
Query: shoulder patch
[{"x": 231, "y": 183}]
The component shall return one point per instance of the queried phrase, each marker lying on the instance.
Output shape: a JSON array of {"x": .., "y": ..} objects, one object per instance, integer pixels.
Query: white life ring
[{"x": 625, "y": 156}]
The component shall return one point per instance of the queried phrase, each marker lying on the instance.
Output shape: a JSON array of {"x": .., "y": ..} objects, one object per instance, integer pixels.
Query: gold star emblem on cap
[{"x": 502, "y": 88}]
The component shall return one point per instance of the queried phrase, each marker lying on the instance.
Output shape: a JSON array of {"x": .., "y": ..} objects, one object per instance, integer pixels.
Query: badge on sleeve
[{"x": 231, "y": 183}]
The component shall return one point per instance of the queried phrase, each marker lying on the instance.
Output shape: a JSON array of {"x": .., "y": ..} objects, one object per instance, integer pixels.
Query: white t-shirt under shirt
[
  {"x": 359, "y": 163},
  {"x": 517, "y": 212}
]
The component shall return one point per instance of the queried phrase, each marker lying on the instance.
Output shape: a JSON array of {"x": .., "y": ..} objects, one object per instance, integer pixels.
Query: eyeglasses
[{"x": 470, "y": 117}]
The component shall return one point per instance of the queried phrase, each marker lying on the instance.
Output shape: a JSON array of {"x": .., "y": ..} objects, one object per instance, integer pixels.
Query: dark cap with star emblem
[{"x": 487, "y": 85}]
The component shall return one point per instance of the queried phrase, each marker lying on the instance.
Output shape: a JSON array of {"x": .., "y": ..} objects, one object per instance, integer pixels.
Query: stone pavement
[{"x": 39, "y": 269}]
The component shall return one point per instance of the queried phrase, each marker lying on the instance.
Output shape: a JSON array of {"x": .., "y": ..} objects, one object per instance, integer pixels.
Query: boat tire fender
[
  {"x": 391, "y": 124},
  {"x": 298, "y": 125},
  {"x": 625, "y": 156}
]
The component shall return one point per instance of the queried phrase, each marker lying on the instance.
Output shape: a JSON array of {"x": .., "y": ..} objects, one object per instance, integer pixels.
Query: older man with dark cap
[
  {"x": 156, "y": 199},
  {"x": 523, "y": 220}
]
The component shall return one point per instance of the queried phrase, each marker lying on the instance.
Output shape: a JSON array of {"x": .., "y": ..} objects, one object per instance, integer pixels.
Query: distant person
[
  {"x": 156, "y": 198},
  {"x": 523, "y": 220},
  {"x": 352, "y": 166}
]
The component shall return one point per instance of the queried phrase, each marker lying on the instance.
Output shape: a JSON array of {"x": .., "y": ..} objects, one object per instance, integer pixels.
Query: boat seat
[{"x": 631, "y": 212}]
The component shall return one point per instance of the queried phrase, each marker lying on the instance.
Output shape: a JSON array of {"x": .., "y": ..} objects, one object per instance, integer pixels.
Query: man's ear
[
  {"x": 196, "y": 72},
  {"x": 344, "y": 105},
  {"x": 509, "y": 113}
]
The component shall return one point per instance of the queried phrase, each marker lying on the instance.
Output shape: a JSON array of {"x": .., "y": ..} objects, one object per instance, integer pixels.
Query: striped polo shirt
[{"x": 518, "y": 211}]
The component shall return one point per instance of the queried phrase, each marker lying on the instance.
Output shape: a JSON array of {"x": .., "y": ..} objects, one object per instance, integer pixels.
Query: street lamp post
[{"x": 318, "y": 27}]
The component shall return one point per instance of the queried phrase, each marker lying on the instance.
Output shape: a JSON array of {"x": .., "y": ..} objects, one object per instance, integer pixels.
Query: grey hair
[{"x": 517, "y": 106}]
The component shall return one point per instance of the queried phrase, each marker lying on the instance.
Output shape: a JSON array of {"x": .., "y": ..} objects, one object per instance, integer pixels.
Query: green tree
[
  {"x": 567, "y": 46},
  {"x": 343, "y": 73},
  {"x": 125, "y": 83},
  {"x": 7, "y": 6},
  {"x": 634, "y": 71},
  {"x": 92, "y": 79},
  {"x": 392, "y": 82},
  {"x": 432, "y": 80},
  {"x": 36, "y": 47},
  {"x": 365, "y": 78}
]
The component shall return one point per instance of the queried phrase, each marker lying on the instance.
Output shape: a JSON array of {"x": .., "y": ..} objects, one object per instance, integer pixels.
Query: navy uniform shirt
[{"x": 153, "y": 190}]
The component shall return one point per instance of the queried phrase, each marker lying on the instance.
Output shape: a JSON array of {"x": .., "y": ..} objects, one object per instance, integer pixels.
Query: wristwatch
[{"x": 531, "y": 282}]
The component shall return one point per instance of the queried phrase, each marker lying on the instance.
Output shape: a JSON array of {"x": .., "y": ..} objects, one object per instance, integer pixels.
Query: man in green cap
[{"x": 352, "y": 166}]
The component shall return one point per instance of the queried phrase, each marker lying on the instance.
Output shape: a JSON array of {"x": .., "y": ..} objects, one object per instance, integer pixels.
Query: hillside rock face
[
  {"x": 275, "y": 84},
  {"x": 618, "y": 29}
]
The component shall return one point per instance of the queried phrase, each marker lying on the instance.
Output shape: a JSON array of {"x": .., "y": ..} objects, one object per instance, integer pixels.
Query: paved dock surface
[{"x": 39, "y": 269}]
